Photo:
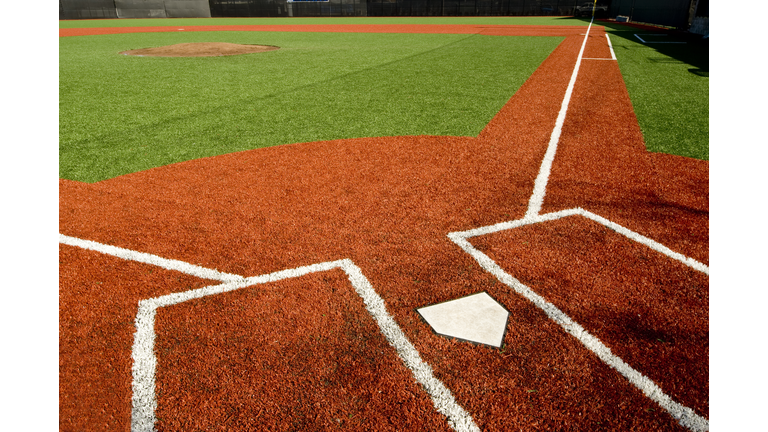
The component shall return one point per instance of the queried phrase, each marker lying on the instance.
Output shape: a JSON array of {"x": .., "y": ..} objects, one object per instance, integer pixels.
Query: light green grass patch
[{"x": 121, "y": 114}]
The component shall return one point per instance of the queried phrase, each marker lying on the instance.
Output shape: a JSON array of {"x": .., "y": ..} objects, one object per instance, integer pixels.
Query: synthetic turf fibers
[
  {"x": 122, "y": 114},
  {"x": 309, "y": 368},
  {"x": 388, "y": 204},
  {"x": 649, "y": 309},
  {"x": 97, "y": 308},
  {"x": 669, "y": 88}
]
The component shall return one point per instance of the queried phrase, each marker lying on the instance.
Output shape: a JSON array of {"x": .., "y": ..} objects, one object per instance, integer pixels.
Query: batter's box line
[
  {"x": 144, "y": 399},
  {"x": 684, "y": 415}
]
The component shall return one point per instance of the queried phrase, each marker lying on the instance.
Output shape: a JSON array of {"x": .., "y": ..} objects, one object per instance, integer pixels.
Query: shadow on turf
[{"x": 694, "y": 52}]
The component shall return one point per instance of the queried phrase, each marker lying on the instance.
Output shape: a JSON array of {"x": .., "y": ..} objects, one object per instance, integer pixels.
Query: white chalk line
[
  {"x": 540, "y": 185},
  {"x": 144, "y": 399},
  {"x": 632, "y": 235},
  {"x": 146, "y": 258},
  {"x": 684, "y": 415},
  {"x": 610, "y": 45},
  {"x": 656, "y": 42}
]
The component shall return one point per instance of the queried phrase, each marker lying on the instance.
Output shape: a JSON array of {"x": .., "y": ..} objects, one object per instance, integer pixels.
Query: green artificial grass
[
  {"x": 152, "y": 22},
  {"x": 669, "y": 88},
  {"x": 121, "y": 114}
]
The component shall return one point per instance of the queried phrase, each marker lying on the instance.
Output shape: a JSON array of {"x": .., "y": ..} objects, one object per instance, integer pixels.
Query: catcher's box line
[
  {"x": 144, "y": 400},
  {"x": 684, "y": 415}
]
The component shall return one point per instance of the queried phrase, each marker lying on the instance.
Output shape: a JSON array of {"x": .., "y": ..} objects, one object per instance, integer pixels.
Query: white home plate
[{"x": 477, "y": 318}]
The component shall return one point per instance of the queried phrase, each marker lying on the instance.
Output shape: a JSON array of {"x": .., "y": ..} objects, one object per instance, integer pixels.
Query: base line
[
  {"x": 540, "y": 185},
  {"x": 168, "y": 264},
  {"x": 610, "y": 45}
]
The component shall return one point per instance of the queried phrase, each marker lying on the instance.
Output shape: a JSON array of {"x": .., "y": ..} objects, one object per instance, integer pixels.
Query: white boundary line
[
  {"x": 651, "y": 34},
  {"x": 540, "y": 186},
  {"x": 684, "y": 415},
  {"x": 610, "y": 45},
  {"x": 632, "y": 235},
  {"x": 144, "y": 400},
  {"x": 146, "y": 258}
]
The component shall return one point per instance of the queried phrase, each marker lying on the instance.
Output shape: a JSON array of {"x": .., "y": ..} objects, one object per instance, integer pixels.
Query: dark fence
[
  {"x": 672, "y": 13},
  {"x": 283, "y": 8},
  {"x": 470, "y": 7},
  {"x": 84, "y": 9},
  {"x": 669, "y": 13},
  {"x": 87, "y": 9},
  {"x": 269, "y": 8}
]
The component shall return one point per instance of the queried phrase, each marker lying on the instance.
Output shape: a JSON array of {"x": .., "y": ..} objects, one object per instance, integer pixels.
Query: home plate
[{"x": 476, "y": 318}]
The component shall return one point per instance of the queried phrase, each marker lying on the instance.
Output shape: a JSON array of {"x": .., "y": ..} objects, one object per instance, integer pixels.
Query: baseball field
[{"x": 249, "y": 241}]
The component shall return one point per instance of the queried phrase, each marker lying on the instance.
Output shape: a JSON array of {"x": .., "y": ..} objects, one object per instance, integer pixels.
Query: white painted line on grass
[
  {"x": 540, "y": 186},
  {"x": 684, "y": 415},
  {"x": 146, "y": 258},
  {"x": 659, "y": 42},
  {"x": 610, "y": 45}
]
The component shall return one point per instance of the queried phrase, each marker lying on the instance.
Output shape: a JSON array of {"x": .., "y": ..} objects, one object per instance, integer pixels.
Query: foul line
[
  {"x": 684, "y": 415},
  {"x": 144, "y": 398},
  {"x": 610, "y": 45},
  {"x": 540, "y": 186}
]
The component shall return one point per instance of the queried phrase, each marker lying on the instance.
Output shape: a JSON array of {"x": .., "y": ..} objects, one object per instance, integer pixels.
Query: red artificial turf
[
  {"x": 98, "y": 301},
  {"x": 650, "y": 310},
  {"x": 269, "y": 356},
  {"x": 301, "y": 354}
]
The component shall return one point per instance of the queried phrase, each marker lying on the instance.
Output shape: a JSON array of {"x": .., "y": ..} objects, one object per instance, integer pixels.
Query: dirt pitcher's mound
[{"x": 200, "y": 49}]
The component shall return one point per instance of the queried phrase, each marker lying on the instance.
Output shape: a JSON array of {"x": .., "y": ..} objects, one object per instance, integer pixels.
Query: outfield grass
[
  {"x": 669, "y": 88},
  {"x": 121, "y": 114}
]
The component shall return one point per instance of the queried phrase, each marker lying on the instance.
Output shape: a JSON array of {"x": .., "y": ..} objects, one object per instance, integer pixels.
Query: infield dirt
[{"x": 200, "y": 49}]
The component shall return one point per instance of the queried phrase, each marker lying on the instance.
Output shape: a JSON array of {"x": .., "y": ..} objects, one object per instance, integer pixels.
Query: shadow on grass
[{"x": 694, "y": 51}]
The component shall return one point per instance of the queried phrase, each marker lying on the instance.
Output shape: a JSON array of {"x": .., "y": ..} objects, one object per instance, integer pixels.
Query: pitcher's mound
[{"x": 200, "y": 49}]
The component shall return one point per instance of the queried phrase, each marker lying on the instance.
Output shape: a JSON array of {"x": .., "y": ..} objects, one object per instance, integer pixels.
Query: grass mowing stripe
[
  {"x": 122, "y": 114},
  {"x": 152, "y": 22}
]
